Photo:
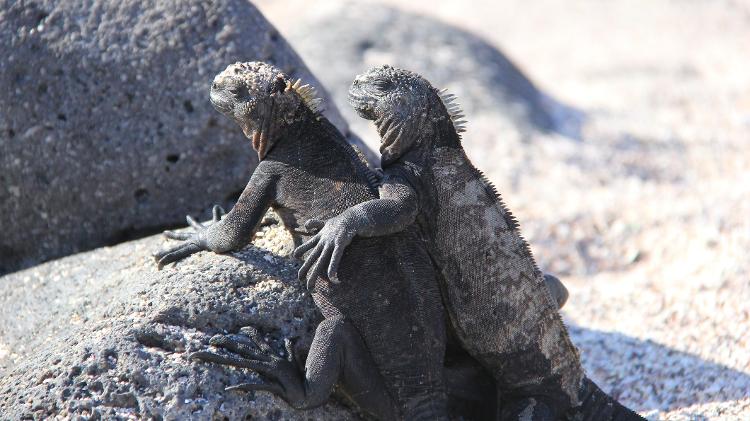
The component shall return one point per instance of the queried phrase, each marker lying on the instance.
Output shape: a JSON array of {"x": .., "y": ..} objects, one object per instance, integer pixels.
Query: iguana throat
[{"x": 397, "y": 138}]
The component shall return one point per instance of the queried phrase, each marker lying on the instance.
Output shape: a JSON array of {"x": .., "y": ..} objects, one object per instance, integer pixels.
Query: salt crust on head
[{"x": 258, "y": 76}]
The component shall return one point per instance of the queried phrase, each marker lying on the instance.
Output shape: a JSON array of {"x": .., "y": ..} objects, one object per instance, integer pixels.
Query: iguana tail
[{"x": 598, "y": 406}]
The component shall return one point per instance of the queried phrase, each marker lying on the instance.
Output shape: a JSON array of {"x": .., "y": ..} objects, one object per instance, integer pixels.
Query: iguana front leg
[
  {"x": 229, "y": 233},
  {"x": 393, "y": 212}
]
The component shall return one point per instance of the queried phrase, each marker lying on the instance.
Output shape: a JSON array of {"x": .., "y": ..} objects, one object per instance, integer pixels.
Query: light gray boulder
[
  {"x": 104, "y": 335},
  {"x": 106, "y": 130}
]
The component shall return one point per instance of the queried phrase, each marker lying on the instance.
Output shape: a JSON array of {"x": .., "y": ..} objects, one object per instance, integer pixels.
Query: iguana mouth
[
  {"x": 220, "y": 103},
  {"x": 361, "y": 104}
]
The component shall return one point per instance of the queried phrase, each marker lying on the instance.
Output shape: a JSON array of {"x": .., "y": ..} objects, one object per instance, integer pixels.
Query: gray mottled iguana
[
  {"x": 495, "y": 295},
  {"x": 383, "y": 334}
]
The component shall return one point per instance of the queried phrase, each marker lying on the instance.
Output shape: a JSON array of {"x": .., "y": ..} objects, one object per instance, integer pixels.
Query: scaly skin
[
  {"x": 495, "y": 295},
  {"x": 383, "y": 335}
]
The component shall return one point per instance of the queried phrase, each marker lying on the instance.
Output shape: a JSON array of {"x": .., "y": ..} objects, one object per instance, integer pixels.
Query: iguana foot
[
  {"x": 191, "y": 242},
  {"x": 326, "y": 249},
  {"x": 282, "y": 377},
  {"x": 557, "y": 289}
]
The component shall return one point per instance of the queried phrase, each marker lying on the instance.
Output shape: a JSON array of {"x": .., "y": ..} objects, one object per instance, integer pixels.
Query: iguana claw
[
  {"x": 193, "y": 242},
  {"x": 281, "y": 376},
  {"x": 257, "y": 387},
  {"x": 176, "y": 253},
  {"x": 327, "y": 246}
]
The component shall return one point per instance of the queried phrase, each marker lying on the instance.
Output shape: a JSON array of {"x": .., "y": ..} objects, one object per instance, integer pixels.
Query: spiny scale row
[
  {"x": 308, "y": 94},
  {"x": 454, "y": 110}
]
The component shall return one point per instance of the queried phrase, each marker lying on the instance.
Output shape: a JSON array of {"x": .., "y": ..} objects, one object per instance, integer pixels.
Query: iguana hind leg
[
  {"x": 337, "y": 354},
  {"x": 557, "y": 289},
  {"x": 527, "y": 409}
]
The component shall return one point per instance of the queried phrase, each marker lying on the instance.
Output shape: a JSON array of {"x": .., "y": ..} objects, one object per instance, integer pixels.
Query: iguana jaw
[
  {"x": 359, "y": 101},
  {"x": 258, "y": 139},
  {"x": 390, "y": 129}
]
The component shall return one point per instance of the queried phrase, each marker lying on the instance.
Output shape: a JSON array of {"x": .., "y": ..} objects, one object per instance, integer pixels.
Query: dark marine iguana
[
  {"x": 383, "y": 334},
  {"x": 494, "y": 293}
]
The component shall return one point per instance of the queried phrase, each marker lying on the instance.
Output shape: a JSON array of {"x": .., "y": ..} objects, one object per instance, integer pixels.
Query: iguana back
[
  {"x": 495, "y": 285},
  {"x": 494, "y": 293},
  {"x": 500, "y": 308}
]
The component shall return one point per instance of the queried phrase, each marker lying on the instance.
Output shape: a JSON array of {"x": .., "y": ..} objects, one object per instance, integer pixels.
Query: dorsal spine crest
[
  {"x": 454, "y": 110},
  {"x": 308, "y": 94}
]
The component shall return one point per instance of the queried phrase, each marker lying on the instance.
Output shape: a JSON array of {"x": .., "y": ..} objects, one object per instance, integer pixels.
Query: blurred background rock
[{"x": 106, "y": 130}]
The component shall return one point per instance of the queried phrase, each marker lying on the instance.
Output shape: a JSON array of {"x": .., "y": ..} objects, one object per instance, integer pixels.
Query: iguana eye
[
  {"x": 382, "y": 84},
  {"x": 238, "y": 91},
  {"x": 278, "y": 85}
]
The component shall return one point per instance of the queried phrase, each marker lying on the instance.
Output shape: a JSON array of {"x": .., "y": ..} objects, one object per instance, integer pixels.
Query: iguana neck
[
  {"x": 275, "y": 130},
  {"x": 443, "y": 130},
  {"x": 361, "y": 166}
]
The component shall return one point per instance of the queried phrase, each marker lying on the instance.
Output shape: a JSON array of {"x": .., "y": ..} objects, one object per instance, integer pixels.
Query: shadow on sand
[{"x": 649, "y": 376}]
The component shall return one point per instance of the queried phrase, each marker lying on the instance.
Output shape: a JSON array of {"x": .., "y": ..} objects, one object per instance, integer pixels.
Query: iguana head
[
  {"x": 262, "y": 100},
  {"x": 403, "y": 105}
]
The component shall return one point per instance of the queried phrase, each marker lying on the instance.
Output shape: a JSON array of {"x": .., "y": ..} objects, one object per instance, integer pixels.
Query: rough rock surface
[
  {"x": 369, "y": 34},
  {"x": 106, "y": 130},
  {"x": 104, "y": 334}
]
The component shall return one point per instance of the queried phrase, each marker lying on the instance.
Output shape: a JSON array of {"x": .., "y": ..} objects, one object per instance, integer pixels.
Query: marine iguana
[
  {"x": 495, "y": 295},
  {"x": 383, "y": 335}
]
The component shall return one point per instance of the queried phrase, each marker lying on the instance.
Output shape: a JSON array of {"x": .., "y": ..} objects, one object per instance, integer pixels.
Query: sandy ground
[{"x": 643, "y": 211}]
